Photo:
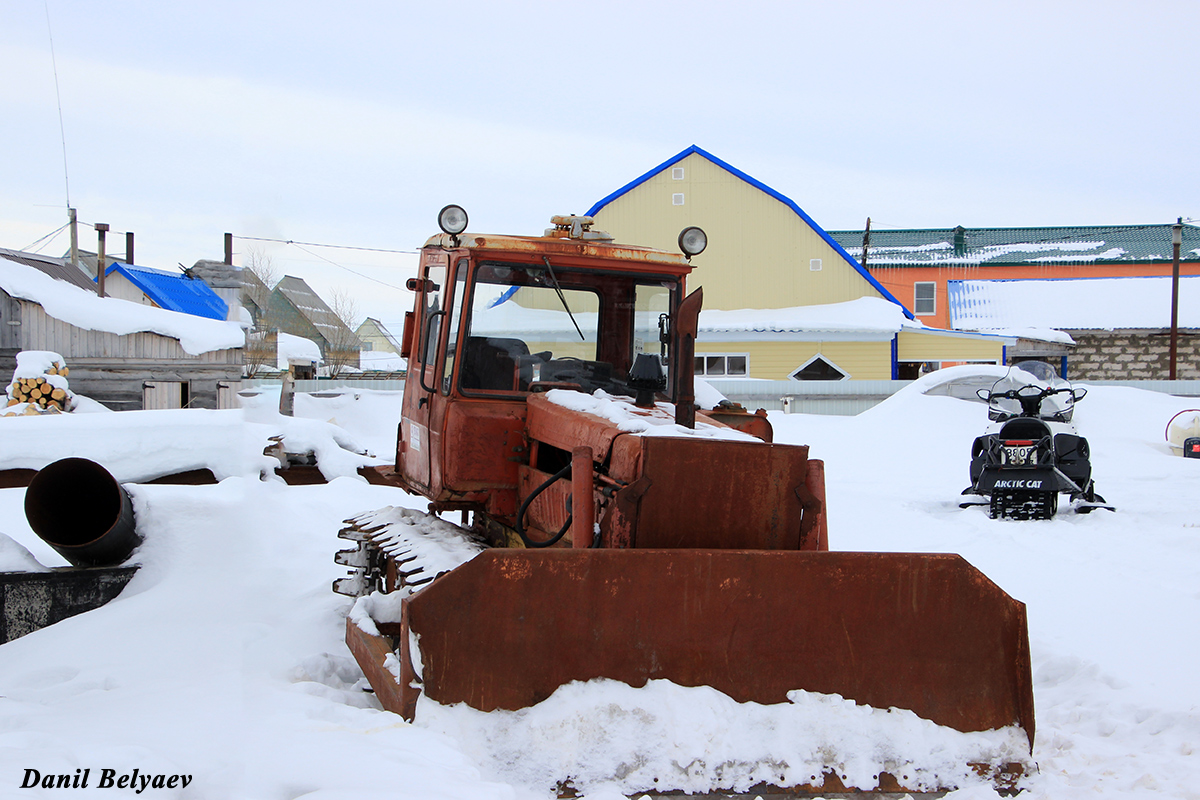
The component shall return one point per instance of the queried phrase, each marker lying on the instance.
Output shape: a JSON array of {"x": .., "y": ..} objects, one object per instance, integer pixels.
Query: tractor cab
[{"x": 498, "y": 318}]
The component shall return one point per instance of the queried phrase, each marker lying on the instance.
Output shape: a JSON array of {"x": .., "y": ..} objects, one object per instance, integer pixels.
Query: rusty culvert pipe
[{"x": 77, "y": 507}]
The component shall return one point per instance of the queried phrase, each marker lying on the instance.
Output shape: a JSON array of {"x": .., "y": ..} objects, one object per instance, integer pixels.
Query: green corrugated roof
[{"x": 1097, "y": 244}]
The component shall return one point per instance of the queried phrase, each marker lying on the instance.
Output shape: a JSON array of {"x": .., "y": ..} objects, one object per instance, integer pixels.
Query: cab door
[{"x": 414, "y": 456}]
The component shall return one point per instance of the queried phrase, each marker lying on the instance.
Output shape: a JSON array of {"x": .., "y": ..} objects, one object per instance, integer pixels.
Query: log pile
[{"x": 39, "y": 385}]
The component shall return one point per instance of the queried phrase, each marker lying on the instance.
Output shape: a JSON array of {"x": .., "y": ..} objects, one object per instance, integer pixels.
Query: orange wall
[{"x": 899, "y": 280}]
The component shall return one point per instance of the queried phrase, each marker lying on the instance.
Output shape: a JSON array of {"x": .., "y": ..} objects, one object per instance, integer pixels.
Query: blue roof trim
[
  {"x": 174, "y": 292},
  {"x": 787, "y": 201}
]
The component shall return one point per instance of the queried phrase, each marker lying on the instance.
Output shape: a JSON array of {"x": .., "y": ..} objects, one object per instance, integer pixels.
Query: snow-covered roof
[
  {"x": 381, "y": 361},
  {"x": 863, "y": 315},
  {"x": 83, "y": 309},
  {"x": 58, "y": 268},
  {"x": 1020, "y": 246},
  {"x": 291, "y": 348},
  {"x": 173, "y": 291},
  {"x": 1072, "y": 304}
]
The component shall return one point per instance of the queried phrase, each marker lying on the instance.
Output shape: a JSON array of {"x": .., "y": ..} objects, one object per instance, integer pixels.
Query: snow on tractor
[{"x": 616, "y": 531}]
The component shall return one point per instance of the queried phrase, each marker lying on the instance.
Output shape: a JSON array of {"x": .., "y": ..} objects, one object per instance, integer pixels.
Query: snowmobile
[{"x": 1032, "y": 452}]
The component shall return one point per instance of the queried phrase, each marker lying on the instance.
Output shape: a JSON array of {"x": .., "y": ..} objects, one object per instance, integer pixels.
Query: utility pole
[
  {"x": 1176, "y": 241},
  {"x": 101, "y": 229},
  {"x": 74, "y": 223},
  {"x": 866, "y": 243}
]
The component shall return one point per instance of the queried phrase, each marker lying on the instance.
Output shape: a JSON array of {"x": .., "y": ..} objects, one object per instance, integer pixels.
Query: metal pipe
[
  {"x": 101, "y": 229},
  {"x": 685, "y": 327},
  {"x": 77, "y": 507},
  {"x": 74, "y": 222},
  {"x": 129, "y": 247},
  {"x": 1176, "y": 240},
  {"x": 229, "y": 249},
  {"x": 583, "y": 507}
]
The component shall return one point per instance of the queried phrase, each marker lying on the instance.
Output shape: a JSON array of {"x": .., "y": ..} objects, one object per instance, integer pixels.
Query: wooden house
[{"x": 124, "y": 355}]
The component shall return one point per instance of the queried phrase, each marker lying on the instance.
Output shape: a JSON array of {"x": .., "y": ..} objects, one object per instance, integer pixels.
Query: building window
[
  {"x": 677, "y": 199},
  {"x": 818, "y": 369},
  {"x": 677, "y": 173},
  {"x": 924, "y": 298},
  {"x": 814, "y": 264},
  {"x": 723, "y": 365}
]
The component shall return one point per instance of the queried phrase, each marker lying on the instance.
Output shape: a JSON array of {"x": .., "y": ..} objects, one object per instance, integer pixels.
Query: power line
[
  {"x": 49, "y": 237},
  {"x": 342, "y": 266},
  {"x": 305, "y": 245},
  {"x": 58, "y": 96},
  {"x": 334, "y": 246}
]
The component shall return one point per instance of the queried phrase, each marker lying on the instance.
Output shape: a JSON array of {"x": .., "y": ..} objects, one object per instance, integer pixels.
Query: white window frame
[
  {"x": 917, "y": 299},
  {"x": 677, "y": 174},
  {"x": 704, "y": 373},
  {"x": 677, "y": 199},
  {"x": 792, "y": 375}
]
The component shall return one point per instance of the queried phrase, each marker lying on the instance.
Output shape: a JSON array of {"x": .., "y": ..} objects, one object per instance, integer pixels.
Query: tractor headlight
[
  {"x": 452, "y": 220},
  {"x": 692, "y": 241}
]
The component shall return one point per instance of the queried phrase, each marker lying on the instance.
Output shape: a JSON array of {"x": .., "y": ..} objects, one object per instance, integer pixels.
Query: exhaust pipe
[{"x": 77, "y": 507}]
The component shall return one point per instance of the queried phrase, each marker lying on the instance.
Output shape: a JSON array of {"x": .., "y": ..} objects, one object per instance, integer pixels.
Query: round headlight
[
  {"x": 452, "y": 220},
  {"x": 692, "y": 241}
]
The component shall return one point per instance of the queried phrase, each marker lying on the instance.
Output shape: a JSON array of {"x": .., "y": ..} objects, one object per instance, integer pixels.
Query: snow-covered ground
[{"x": 223, "y": 660}]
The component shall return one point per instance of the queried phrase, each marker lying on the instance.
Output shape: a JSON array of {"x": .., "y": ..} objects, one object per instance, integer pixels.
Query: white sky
[{"x": 354, "y": 123}]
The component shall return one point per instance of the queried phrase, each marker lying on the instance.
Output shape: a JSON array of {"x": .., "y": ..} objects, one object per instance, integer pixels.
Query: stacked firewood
[{"x": 39, "y": 385}]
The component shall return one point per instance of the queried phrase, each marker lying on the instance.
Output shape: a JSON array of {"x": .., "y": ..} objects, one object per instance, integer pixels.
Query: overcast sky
[{"x": 352, "y": 123}]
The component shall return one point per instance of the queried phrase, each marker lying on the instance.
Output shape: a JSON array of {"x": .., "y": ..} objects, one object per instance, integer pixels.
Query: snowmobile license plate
[{"x": 1020, "y": 454}]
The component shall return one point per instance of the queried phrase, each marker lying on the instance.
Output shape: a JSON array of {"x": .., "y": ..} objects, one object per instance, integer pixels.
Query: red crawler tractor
[{"x": 617, "y": 531}]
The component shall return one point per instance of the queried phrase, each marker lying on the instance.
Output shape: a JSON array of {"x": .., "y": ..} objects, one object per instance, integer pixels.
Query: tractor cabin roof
[{"x": 635, "y": 258}]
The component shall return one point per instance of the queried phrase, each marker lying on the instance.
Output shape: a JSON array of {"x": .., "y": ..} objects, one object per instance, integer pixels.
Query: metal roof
[
  {"x": 173, "y": 291},
  {"x": 310, "y": 306},
  {"x": 1128, "y": 303},
  {"x": 787, "y": 201},
  {"x": 57, "y": 268},
  {"x": 1047, "y": 246}
]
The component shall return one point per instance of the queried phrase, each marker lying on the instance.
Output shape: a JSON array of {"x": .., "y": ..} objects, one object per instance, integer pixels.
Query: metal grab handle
[{"x": 425, "y": 346}]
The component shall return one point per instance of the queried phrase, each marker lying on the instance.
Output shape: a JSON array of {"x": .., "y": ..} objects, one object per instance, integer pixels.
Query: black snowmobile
[{"x": 1031, "y": 453}]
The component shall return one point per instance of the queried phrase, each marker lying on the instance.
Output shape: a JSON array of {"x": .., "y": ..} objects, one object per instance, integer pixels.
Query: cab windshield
[{"x": 529, "y": 327}]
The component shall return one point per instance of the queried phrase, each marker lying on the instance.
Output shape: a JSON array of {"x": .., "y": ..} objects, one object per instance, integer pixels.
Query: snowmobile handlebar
[{"x": 1030, "y": 396}]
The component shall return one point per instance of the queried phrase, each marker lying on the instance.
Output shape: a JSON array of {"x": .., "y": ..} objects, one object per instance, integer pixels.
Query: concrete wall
[{"x": 1131, "y": 355}]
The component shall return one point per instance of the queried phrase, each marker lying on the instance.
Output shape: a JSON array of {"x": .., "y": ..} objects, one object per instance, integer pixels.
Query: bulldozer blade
[{"x": 923, "y": 632}]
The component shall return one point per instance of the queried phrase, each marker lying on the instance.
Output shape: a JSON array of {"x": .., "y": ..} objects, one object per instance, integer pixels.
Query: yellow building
[{"x": 799, "y": 295}]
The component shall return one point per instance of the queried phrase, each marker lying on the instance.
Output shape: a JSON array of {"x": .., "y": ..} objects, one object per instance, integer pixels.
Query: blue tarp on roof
[{"x": 173, "y": 291}]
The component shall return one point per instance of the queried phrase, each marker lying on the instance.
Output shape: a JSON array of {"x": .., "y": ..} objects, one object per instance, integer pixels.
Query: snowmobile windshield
[{"x": 1031, "y": 388}]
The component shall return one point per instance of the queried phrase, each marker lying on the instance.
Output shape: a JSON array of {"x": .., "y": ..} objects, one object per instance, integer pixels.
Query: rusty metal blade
[{"x": 924, "y": 632}]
